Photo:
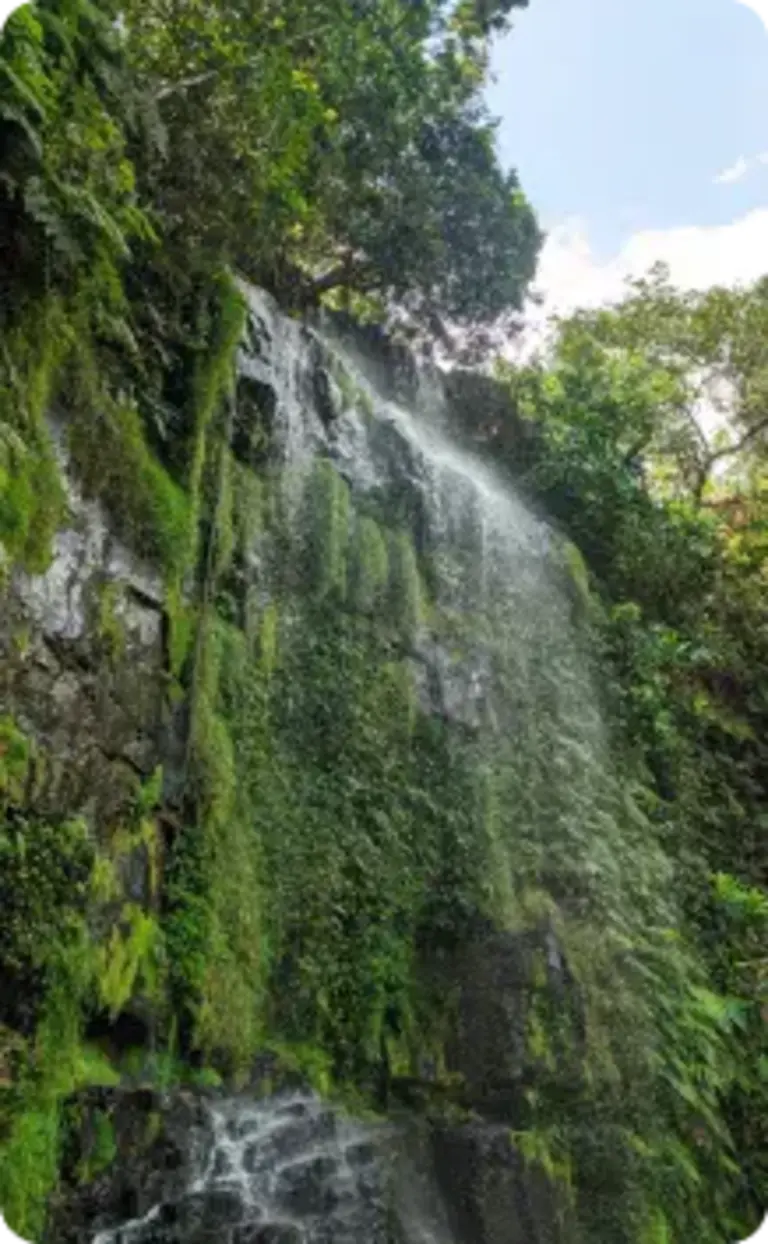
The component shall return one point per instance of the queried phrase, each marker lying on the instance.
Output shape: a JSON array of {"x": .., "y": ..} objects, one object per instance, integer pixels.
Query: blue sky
[{"x": 620, "y": 115}]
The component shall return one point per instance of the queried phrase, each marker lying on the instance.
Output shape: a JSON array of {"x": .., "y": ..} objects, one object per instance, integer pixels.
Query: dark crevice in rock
[{"x": 120, "y": 758}]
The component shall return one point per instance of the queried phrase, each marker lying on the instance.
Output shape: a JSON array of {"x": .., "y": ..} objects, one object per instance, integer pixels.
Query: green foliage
[
  {"x": 102, "y": 1148},
  {"x": 328, "y": 531},
  {"x": 332, "y": 830},
  {"x": 405, "y": 597},
  {"x": 376, "y": 176},
  {"x": 56, "y": 1065},
  {"x": 215, "y": 379},
  {"x": 109, "y": 625},
  {"x": 370, "y": 567},
  {"x": 331, "y": 784},
  {"x": 114, "y": 463},
  {"x": 32, "y": 500},
  {"x": 43, "y": 890},
  {"x": 14, "y": 762},
  {"x": 213, "y": 929},
  {"x": 58, "y": 964},
  {"x": 129, "y": 959},
  {"x": 672, "y": 528},
  {"x": 68, "y": 187}
]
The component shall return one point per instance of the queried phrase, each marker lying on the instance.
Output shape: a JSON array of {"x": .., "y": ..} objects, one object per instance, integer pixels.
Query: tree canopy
[
  {"x": 323, "y": 148},
  {"x": 653, "y": 455}
]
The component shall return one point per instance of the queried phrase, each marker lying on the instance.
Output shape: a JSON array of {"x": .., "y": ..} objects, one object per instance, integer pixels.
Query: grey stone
[
  {"x": 268, "y": 1233},
  {"x": 307, "y": 1187}
]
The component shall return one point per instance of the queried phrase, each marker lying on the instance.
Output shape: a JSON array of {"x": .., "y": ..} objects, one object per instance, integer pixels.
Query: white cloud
[
  {"x": 6, "y": 8},
  {"x": 734, "y": 172},
  {"x": 759, "y": 8},
  {"x": 742, "y": 166},
  {"x": 571, "y": 275}
]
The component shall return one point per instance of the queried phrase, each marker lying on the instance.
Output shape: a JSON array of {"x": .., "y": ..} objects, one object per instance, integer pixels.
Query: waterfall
[
  {"x": 420, "y": 752},
  {"x": 499, "y": 647},
  {"x": 287, "y": 1170}
]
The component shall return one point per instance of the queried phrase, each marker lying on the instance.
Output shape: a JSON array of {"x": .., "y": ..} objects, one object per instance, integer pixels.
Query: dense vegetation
[
  {"x": 338, "y": 151},
  {"x": 654, "y": 459}
]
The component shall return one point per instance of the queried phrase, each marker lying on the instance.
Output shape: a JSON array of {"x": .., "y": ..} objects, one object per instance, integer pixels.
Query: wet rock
[
  {"x": 254, "y": 423},
  {"x": 93, "y": 708},
  {"x": 298, "y": 1132},
  {"x": 491, "y": 1196},
  {"x": 255, "y": 1158},
  {"x": 294, "y": 1110},
  {"x": 456, "y": 688},
  {"x": 222, "y": 1164},
  {"x": 268, "y": 1233},
  {"x": 352, "y": 1223},
  {"x": 362, "y": 1153},
  {"x": 161, "y": 1145},
  {"x": 307, "y": 1187},
  {"x": 211, "y": 1209},
  {"x": 493, "y": 972},
  {"x": 326, "y": 395}
]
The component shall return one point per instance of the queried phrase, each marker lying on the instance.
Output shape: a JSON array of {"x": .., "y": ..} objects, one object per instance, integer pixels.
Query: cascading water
[
  {"x": 388, "y": 576},
  {"x": 497, "y": 647},
  {"x": 285, "y": 1171}
]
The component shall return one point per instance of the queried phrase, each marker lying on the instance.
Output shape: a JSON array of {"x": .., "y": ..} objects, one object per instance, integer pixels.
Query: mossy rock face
[
  {"x": 506, "y": 985},
  {"x": 86, "y": 685},
  {"x": 157, "y": 1144},
  {"x": 492, "y": 1195}
]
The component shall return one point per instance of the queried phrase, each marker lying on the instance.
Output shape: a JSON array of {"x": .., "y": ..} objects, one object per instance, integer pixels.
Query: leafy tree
[
  {"x": 672, "y": 519},
  {"x": 67, "y": 187},
  {"x": 710, "y": 346},
  {"x": 337, "y": 147}
]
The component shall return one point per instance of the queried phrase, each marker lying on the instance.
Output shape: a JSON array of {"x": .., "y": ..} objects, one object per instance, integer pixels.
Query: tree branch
[
  {"x": 729, "y": 450},
  {"x": 175, "y": 88}
]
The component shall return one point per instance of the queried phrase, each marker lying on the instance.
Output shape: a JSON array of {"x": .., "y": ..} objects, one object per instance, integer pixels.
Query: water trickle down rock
[
  {"x": 487, "y": 554},
  {"x": 283, "y": 1171}
]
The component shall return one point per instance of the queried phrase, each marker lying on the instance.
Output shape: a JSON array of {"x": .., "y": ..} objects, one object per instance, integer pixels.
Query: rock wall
[
  {"x": 82, "y": 668},
  {"x": 84, "y": 673}
]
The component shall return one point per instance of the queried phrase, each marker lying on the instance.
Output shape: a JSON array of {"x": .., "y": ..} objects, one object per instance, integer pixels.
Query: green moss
[
  {"x": 308, "y": 1061},
  {"x": 370, "y": 567},
  {"x": 52, "y": 891},
  {"x": 214, "y": 925},
  {"x": 32, "y": 498},
  {"x": 44, "y": 877},
  {"x": 214, "y": 930},
  {"x": 405, "y": 592},
  {"x": 101, "y": 1150},
  {"x": 329, "y": 767},
  {"x": 109, "y": 625},
  {"x": 140, "y": 836},
  {"x": 114, "y": 463},
  {"x": 498, "y": 898},
  {"x": 57, "y": 1066},
  {"x": 546, "y": 1149},
  {"x": 268, "y": 639},
  {"x": 29, "y": 1163},
  {"x": 327, "y": 525},
  {"x": 226, "y": 536},
  {"x": 249, "y": 508},
  {"x": 22, "y": 638},
  {"x": 15, "y": 756},
  {"x": 182, "y": 622},
  {"x": 130, "y": 960},
  {"x": 214, "y": 384}
]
